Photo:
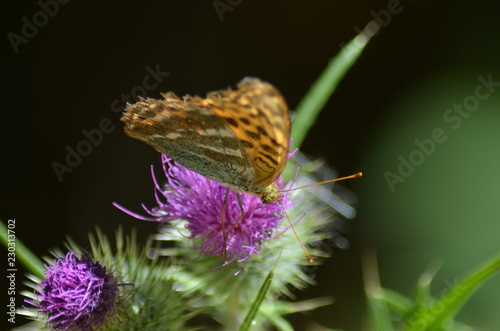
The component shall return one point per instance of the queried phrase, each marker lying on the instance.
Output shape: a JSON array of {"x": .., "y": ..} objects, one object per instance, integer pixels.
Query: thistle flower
[
  {"x": 77, "y": 294},
  {"x": 216, "y": 230}
]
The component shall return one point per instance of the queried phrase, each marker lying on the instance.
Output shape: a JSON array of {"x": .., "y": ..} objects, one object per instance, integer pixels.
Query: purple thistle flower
[
  {"x": 198, "y": 200},
  {"x": 77, "y": 294}
]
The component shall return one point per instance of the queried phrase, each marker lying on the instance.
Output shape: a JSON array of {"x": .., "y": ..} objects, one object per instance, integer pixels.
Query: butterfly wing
[
  {"x": 196, "y": 137},
  {"x": 258, "y": 116}
]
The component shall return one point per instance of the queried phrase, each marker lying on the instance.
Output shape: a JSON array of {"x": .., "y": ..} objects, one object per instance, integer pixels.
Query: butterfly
[{"x": 239, "y": 138}]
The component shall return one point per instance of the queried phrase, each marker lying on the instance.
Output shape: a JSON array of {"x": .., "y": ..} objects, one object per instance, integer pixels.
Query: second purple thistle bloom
[{"x": 199, "y": 201}]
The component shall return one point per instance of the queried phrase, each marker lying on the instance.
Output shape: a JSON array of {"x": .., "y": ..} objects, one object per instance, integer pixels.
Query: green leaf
[
  {"x": 435, "y": 316},
  {"x": 258, "y": 301},
  {"x": 274, "y": 311},
  {"x": 379, "y": 312},
  {"x": 424, "y": 297},
  {"x": 319, "y": 93},
  {"x": 423, "y": 294},
  {"x": 22, "y": 253},
  {"x": 395, "y": 301}
]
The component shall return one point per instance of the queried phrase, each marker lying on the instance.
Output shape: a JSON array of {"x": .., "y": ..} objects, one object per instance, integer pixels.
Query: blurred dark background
[{"x": 65, "y": 77}]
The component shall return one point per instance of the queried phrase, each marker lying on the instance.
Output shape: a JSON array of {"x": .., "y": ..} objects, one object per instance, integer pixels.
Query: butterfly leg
[
  {"x": 224, "y": 249},
  {"x": 240, "y": 203},
  {"x": 226, "y": 233}
]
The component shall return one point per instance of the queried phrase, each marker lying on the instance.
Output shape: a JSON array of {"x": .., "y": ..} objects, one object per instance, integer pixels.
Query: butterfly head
[{"x": 270, "y": 194}]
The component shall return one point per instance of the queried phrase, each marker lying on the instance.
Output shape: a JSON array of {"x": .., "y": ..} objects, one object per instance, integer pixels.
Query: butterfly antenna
[
  {"x": 357, "y": 175},
  {"x": 309, "y": 258}
]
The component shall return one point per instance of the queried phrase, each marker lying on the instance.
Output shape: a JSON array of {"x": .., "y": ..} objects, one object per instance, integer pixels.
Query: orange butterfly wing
[
  {"x": 193, "y": 136},
  {"x": 258, "y": 115}
]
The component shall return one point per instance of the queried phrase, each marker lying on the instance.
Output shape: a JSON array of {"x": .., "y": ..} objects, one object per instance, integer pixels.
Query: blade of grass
[
  {"x": 245, "y": 326},
  {"x": 319, "y": 93},
  {"x": 22, "y": 253}
]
